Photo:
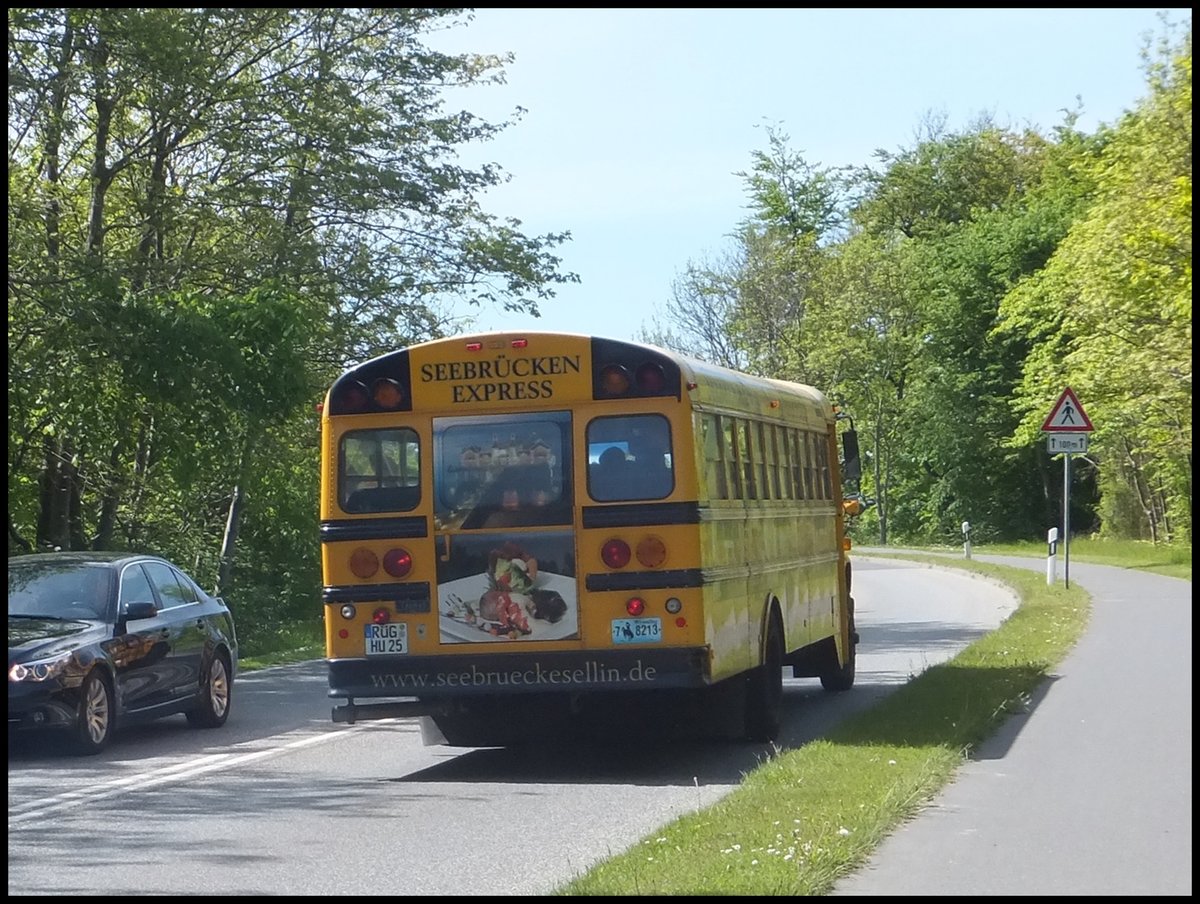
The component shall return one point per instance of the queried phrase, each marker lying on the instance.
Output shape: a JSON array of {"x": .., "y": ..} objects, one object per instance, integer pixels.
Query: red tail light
[
  {"x": 397, "y": 562},
  {"x": 635, "y": 606},
  {"x": 381, "y": 616},
  {"x": 353, "y": 398},
  {"x": 650, "y": 378},
  {"x": 615, "y": 553}
]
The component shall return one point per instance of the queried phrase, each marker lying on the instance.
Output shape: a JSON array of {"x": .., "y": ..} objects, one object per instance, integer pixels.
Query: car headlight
[{"x": 41, "y": 670}]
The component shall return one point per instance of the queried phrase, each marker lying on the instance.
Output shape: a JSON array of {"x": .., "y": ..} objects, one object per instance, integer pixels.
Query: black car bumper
[{"x": 37, "y": 704}]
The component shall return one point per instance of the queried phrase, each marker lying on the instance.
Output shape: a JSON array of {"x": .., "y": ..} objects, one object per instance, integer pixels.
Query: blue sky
[{"x": 639, "y": 119}]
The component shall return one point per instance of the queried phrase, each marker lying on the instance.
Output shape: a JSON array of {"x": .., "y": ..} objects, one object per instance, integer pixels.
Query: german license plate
[
  {"x": 637, "y": 630},
  {"x": 385, "y": 639}
]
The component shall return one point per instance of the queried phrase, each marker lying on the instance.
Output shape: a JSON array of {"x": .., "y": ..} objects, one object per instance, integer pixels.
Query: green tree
[
  {"x": 212, "y": 211},
  {"x": 1111, "y": 314}
]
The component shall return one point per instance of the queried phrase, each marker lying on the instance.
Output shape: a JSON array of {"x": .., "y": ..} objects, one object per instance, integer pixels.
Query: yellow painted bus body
[{"x": 727, "y": 541}]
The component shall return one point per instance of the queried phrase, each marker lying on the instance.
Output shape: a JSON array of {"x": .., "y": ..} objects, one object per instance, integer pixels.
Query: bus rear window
[
  {"x": 630, "y": 458},
  {"x": 379, "y": 471},
  {"x": 510, "y": 470}
]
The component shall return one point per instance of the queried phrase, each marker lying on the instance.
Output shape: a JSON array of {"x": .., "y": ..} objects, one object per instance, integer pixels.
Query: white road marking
[{"x": 36, "y": 809}]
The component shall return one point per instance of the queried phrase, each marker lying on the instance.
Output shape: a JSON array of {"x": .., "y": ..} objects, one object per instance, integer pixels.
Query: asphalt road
[
  {"x": 281, "y": 801},
  {"x": 1089, "y": 792}
]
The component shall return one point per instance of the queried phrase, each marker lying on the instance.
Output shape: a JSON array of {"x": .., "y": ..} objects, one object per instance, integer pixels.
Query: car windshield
[{"x": 58, "y": 589}]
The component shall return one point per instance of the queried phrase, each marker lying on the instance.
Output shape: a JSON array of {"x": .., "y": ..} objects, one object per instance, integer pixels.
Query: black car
[{"x": 97, "y": 640}]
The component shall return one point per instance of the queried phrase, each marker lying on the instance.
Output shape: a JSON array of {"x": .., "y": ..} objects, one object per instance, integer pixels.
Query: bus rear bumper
[{"x": 406, "y": 686}]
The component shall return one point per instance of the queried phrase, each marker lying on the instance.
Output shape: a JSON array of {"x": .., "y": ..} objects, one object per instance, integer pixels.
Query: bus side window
[{"x": 714, "y": 467}]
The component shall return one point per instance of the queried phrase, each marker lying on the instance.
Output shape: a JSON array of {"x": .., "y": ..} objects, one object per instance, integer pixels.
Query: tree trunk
[
  {"x": 880, "y": 490},
  {"x": 233, "y": 522},
  {"x": 102, "y": 175},
  {"x": 141, "y": 468},
  {"x": 53, "y": 498},
  {"x": 112, "y": 498}
]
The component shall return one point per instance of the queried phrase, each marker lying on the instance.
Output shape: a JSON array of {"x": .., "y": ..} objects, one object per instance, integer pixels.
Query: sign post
[{"x": 1068, "y": 426}]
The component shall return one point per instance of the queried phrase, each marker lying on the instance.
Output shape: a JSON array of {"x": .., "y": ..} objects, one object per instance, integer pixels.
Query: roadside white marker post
[
  {"x": 966, "y": 529},
  {"x": 1051, "y": 548}
]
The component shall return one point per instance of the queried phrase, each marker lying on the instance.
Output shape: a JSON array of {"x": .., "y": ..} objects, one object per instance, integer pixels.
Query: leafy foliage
[
  {"x": 211, "y": 213},
  {"x": 946, "y": 296}
]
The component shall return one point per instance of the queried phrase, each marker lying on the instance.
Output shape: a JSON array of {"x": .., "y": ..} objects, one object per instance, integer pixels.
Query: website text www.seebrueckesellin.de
[{"x": 589, "y": 673}]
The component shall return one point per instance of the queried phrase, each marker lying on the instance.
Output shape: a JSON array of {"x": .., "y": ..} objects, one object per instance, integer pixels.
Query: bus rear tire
[
  {"x": 840, "y": 676},
  {"x": 764, "y": 687}
]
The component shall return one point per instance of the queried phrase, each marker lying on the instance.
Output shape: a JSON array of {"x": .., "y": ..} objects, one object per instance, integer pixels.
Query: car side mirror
[{"x": 140, "y": 610}]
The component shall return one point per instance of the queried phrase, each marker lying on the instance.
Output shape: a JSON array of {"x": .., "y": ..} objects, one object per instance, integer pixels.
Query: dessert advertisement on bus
[{"x": 497, "y": 588}]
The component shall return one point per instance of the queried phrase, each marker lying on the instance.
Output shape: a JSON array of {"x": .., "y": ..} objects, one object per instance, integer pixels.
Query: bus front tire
[{"x": 764, "y": 687}]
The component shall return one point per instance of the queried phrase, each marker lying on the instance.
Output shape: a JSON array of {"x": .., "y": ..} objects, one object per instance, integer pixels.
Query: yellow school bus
[{"x": 519, "y": 530}]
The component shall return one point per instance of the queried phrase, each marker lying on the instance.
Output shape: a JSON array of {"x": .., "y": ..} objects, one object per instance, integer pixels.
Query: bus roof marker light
[
  {"x": 651, "y": 379},
  {"x": 614, "y": 380},
  {"x": 387, "y": 393},
  {"x": 474, "y": 346},
  {"x": 520, "y": 343},
  {"x": 353, "y": 398}
]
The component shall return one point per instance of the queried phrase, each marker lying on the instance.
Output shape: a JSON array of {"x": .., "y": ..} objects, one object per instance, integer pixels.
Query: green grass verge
[
  {"x": 813, "y": 814},
  {"x": 298, "y": 642},
  {"x": 1173, "y": 560}
]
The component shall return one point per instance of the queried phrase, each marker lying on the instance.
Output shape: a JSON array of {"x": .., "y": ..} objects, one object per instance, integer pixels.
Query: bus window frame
[
  {"x": 402, "y": 488},
  {"x": 630, "y": 465}
]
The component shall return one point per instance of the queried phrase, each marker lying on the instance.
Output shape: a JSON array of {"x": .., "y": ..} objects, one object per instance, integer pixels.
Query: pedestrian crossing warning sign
[{"x": 1067, "y": 416}]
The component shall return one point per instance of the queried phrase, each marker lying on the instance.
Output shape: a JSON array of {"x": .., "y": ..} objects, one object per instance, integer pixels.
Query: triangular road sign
[{"x": 1067, "y": 416}]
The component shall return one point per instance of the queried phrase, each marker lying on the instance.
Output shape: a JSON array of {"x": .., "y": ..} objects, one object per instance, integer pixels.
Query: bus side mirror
[{"x": 851, "y": 464}]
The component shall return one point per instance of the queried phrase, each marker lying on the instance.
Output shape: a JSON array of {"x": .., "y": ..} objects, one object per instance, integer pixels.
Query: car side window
[
  {"x": 191, "y": 594},
  {"x": 170, "y": 594},
  {"x": 135, "y": 586}
]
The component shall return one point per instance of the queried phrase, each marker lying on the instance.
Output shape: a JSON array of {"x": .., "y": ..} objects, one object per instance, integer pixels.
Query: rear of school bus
[{"x": 509, "y": 528}]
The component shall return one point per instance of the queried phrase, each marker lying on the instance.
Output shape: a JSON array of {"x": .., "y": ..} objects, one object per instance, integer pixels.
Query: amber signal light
[
  {"x": 614, "y": 380},
  {"x": 387, "y": 394},
  {"x": 651, "y": 552},
  {"x": 364, "y": 563}
]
